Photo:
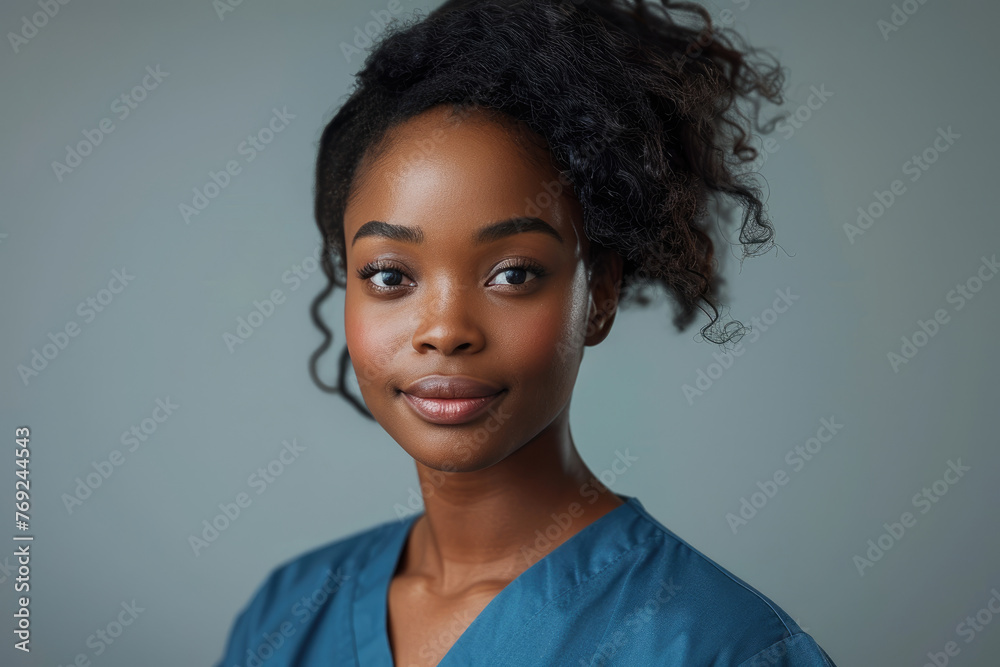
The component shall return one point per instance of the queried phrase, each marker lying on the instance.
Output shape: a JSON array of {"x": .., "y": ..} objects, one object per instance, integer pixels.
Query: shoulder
[
  {"x": 295, "y": 591},
  {"x": 715, "y": 612},
  {"x": 336, "y": 561},
  {"x": 797, "y": 650}
]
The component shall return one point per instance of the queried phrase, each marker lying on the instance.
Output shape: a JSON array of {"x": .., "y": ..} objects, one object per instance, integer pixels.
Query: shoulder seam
[
  {"x": 673, "y": 536},
  {"x": 593, "y": 576}
]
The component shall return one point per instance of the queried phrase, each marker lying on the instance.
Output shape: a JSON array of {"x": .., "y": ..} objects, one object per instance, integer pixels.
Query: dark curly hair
[{"x": 639, "y": 112}]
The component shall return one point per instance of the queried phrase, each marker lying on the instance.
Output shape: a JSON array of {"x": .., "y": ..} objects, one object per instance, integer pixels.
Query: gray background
[{"x": 162, "y": 336}]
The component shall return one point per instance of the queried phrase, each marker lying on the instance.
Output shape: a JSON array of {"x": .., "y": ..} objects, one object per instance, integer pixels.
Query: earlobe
[{"x": 604, "y": 293}]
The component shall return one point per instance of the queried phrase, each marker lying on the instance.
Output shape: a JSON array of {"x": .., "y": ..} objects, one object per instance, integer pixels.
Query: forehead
[{"x": 440, "y": 170}]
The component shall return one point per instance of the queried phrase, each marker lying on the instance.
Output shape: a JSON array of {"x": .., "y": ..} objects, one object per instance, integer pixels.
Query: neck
[{"x": 492, "y": 524}]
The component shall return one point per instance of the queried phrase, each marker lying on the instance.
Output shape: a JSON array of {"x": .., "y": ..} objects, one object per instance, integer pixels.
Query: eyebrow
[{"x": 487, "y": 234}]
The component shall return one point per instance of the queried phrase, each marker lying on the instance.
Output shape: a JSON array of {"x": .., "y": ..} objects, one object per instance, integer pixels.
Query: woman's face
[{"x": 447, "y": 288}]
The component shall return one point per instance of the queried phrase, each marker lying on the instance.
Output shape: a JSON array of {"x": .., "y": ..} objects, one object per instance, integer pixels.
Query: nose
[{"x": 448, "y": 323}]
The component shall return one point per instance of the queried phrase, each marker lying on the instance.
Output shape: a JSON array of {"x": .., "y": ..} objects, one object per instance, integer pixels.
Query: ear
[{"x": 605, "y": 286}]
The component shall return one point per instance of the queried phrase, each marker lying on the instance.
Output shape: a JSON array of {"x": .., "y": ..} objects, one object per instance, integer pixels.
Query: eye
[
  {"x": 383, "y": 277},
  {"x": 516, "y": 274},
  {"x": 389, "y": 278}
]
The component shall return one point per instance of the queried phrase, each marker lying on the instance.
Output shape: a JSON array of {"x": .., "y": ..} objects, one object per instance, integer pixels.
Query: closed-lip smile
[{"x": 450, "y": 399}]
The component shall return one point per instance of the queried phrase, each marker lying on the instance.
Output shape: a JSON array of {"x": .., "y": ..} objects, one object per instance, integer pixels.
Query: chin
[{"x": 455, "y": 449}]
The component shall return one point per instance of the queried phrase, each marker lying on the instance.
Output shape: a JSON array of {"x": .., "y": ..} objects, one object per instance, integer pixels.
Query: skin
[{"x": 456, "y": 308}]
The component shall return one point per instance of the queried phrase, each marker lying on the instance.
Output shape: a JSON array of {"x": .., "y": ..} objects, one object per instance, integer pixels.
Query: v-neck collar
[{"x": 573, "y": 561}]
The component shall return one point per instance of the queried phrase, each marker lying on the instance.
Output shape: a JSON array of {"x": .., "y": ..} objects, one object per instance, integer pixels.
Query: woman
[{"x": 504, "y": 176}]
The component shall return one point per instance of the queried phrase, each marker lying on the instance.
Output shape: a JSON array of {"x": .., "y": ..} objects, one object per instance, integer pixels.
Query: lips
[
  {"x": 451, "y": 386},
  {"x": 450, "y": 399}
]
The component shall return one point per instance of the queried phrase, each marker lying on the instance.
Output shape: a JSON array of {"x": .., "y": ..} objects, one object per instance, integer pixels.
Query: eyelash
[{"x": 380, "y": 266}]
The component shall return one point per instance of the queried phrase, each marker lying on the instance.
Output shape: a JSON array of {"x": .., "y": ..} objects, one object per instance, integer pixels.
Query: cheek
[
  {"x": 545, "y": 345},
  {"x": 369, "y": 342}
]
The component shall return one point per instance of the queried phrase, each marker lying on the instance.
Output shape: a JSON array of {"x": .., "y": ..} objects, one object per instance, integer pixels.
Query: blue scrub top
[{"x": 623, "y": 591}]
